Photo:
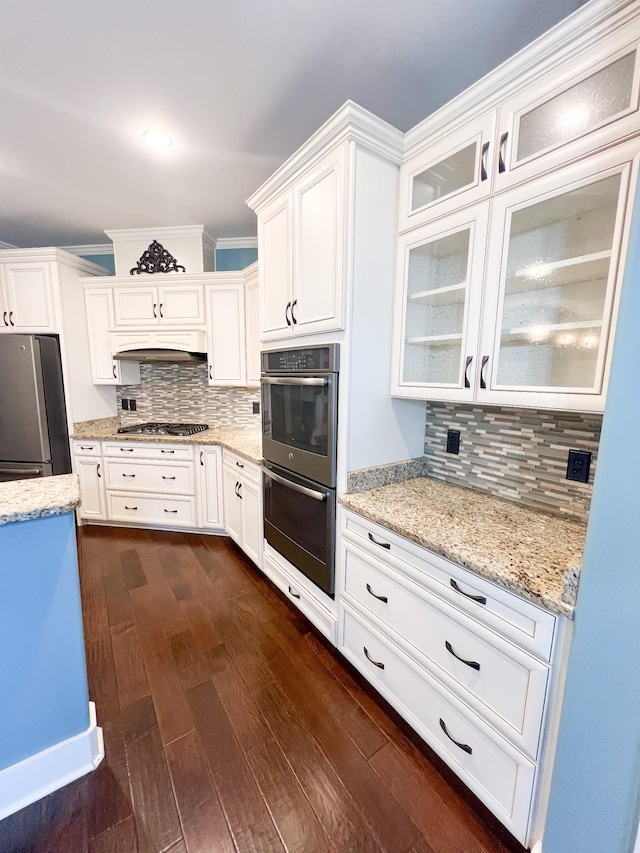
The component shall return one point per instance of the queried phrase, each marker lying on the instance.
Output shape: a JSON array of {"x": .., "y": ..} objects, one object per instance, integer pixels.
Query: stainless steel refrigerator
[{"x": 34, "y": 440}]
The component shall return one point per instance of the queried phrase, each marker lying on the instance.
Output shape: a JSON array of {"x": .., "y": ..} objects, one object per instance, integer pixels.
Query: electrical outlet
[
  {"x": 133, "y": 406},
  {"x": 453, "y": 441},
  {"x": 125, "y": 404},
  {"x": 256, "y": 408},
  {"x": 578, "y": 466}
]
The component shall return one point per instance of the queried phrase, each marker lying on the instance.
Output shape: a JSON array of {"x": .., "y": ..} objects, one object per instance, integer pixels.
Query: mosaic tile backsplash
[
  {"x": 179, "y": 392},
  {"x": 518, "y": 454}
]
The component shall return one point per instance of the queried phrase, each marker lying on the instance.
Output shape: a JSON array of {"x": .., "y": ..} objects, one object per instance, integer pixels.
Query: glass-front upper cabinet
[
  {"x": 443, "y": 176},
  {"x": 440, "y": 271},
  {"x": 551, "y": 291},
  {"x": 575, "y": 109}
]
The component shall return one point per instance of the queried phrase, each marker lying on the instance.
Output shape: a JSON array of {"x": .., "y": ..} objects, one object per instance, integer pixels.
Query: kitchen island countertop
[
  {"x": 244, "y": 441},
  {"x": 527, "y": 551},
  {"x": 25, "y": 500}
]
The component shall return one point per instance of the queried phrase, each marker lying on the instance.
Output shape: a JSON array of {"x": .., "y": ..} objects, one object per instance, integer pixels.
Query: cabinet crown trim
[
  {"x": 50, "y": 254},
  {"x": 350, "y": 122},
  {"x": 585, "y": 28}
]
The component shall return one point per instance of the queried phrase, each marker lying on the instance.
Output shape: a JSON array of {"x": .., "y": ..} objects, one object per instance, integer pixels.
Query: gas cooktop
[{"x": 153, "y": 428}]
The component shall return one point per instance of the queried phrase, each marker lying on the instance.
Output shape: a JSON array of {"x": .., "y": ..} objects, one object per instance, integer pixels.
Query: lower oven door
[{"x": 300, "y": 523}]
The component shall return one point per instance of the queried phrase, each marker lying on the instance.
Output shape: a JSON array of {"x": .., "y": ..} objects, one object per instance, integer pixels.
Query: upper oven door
[{"x": 299, "y": 424}]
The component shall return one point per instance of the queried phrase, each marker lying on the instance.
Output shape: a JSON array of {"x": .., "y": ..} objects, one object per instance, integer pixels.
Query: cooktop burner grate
[{"x": 157, "y": 428}]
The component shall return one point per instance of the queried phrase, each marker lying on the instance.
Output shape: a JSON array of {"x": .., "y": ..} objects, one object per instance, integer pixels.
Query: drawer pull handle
[
  {"x": 128, "y": 475},
  {"x": 86, "y": 447},
  {"x": 369, "y": 658},
  {"x": 379, "y": 597},
  {"x": 463, "y": 746},
  {"x": 167, "y": 478},
  {"x": 479, "y": 598},
  {"x": 294, "y": 594},
  {"x": 472, "y": 663},
  {"x": 386, "y": 545},
  {"x": 171, "y": 510},
  {"x": 239, "y": 464},
  {"x": 126, "y": 450},
  {"x": 130, "y": 507},
  {"x": 167, "y": 451}
]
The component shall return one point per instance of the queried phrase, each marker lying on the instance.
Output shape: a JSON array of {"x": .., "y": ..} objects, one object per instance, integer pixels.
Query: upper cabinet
[
  {"x": 513, "y": 226},
  {"x": 226, "y": 346},
  {"x": 586, "y": 104},
  {"x": 449, "y": 174},
  {"x": 150, "y": 305},
  {"x": 300, "y": 238},
  {"x": 252, "y": 308},
  {"x": 26, "y": 297}
]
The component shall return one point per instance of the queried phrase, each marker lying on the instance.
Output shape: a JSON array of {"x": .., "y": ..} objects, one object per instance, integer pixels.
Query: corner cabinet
[{"x": 302, "y": 256}]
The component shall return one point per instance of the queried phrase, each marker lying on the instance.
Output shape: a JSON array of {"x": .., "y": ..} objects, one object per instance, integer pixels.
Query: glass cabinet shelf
[
  {"x": 540, "y": 334},
  {"x": 557, "y": 273},
  {"x": 434, "y": 339},
  {"x": 448, "y": 295}
]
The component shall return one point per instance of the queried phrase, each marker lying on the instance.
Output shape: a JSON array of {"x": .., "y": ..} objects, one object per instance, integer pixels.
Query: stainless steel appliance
[
  {"x": 300, "y": 410},
  {"x": 159, "y": 428},
  {"x": 34, "y": 440},
  {"x": 299, "y": 444}
]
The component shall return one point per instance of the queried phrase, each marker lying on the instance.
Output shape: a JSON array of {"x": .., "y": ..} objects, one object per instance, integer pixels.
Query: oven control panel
[{"x": 320, "y": 359}]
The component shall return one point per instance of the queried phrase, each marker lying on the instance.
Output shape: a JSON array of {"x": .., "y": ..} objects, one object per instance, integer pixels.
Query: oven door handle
[
  {"x": 295, "y": 380},
  {"x": 303, "y": 490}
]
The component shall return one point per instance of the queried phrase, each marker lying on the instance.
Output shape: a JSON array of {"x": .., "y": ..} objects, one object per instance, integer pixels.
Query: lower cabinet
[
  {"x": 210, "y": 501},
  {"x": 242, "y": 490},
  {"x": 88, "y": 466},
  {"x": 471, "y": 667}
]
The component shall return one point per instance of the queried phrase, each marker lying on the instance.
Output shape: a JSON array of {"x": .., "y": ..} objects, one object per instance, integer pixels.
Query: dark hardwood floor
[{"x": 231, "y": 726}]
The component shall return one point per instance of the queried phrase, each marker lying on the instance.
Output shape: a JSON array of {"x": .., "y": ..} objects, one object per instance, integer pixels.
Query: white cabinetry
[
  {"x": 242, "y": 488},
  {"x": 467, "y": 664},
  {"x": 252, "y": 308},
  {"x": 87, "y": 462},
  {"x": 149, "y": 305},
  {"x": 210, "y": 499},
  {"x": 301, "y": 248},
  {"x": 26, "y": 297},
  {"x": 105, "y": 370},
  {"x": 226, "y": 329},
  {"x": 150, "y": 484}
]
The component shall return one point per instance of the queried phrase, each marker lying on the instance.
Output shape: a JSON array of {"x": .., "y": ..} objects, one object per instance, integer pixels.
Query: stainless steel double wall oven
[{"x": 299, "y": 439}]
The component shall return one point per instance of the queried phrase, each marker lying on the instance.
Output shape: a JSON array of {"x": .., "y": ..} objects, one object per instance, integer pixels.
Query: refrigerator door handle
[{"x": 37, "y": 472}]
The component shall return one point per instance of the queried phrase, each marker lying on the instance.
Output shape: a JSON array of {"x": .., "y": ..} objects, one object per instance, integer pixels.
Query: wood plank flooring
[{"x": 232, "y": 727}]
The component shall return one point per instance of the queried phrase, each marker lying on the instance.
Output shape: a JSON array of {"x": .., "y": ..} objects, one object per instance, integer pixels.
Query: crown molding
[
  {"x": 153, "y": 233},
  {"x": 584, "y": 28},
  {"x": 52, "y": 254},
  {"x": 237, "y": 243},
  {"x": 95, "y": 249},
  {"x": 350, "y": 122}
]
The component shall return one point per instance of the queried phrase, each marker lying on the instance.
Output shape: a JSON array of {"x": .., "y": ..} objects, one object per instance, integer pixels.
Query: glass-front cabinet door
[
  {"x": 440, "y": 268},
  {"x": 444, "y": 176},
  {"x": 551, "y": 286},
  {"x": 573, "y": 110}
]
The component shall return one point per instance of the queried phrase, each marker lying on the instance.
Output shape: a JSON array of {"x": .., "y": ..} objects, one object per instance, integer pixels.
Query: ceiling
[{"x": 238, "y": 84}]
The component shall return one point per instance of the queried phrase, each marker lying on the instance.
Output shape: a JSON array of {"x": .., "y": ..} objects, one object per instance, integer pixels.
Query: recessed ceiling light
[{"x": 157, "y": 139}]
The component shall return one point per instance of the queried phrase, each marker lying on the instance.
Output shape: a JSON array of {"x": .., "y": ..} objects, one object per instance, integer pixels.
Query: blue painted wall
[
  {"x": 595, "y": 788},
  {"x": 43, "y": 677},
  {"x": 106, "y": 261},
  {"x": 234, "y": 259}
]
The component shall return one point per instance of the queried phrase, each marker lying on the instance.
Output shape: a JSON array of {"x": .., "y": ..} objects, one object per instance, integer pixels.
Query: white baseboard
[{"x": 40, "y": 774}]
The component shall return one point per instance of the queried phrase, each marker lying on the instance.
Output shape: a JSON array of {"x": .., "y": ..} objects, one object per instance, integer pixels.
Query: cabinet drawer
[
  {"x": 494, "y": 770},
  {"x": 503, "y": 611},
  {"x": 497, "y": 678},
  {"x": 152, "y": 509},
  {"x": 150, "y": 476},
  {"x": 242, "y": 466},
  {"x": 139, "y": 450},
  {"x": 318, "y": 615},
  {"x": 86, "y": 448}
]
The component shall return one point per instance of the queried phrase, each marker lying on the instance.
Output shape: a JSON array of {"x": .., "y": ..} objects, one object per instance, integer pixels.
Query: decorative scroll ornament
[{"x": 157, "y": 259}]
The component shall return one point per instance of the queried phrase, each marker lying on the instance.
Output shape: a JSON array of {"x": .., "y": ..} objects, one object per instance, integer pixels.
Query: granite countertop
[
  {"x": 245, "y": 441},
  {"x": 25, "y": 500},
  {"x": 529, "y": 552}
]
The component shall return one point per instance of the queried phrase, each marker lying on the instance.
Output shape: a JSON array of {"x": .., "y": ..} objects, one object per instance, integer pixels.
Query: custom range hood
[{"x": 161, "y": 356}]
